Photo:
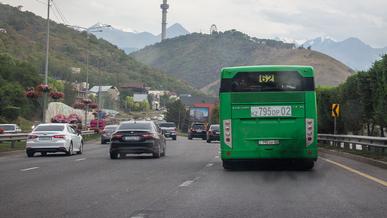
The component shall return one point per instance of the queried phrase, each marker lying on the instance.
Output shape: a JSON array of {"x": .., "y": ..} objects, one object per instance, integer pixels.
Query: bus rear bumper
[{"x": 309, "y": 154}]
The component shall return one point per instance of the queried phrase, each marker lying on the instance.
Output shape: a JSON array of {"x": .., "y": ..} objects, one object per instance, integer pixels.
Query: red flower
[
  {"x": 56, "y": 95},
  {"x": 93, "y": 105},
  {"x": 31, "y": 94},
  {"x": 43, "y": 88},
  {"x": 79, "y": 105}
]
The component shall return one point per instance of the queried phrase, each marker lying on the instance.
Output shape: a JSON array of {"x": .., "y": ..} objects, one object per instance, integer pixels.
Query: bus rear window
[{"x": 266, "y": 82}]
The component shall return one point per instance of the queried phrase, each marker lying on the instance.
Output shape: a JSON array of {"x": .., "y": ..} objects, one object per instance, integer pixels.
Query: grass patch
[
  {"x": 374, "y": 155},
  {"x": 6, "y": 146}
]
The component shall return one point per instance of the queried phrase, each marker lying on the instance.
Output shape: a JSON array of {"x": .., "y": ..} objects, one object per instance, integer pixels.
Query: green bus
[{"x": 268, "y": 112}]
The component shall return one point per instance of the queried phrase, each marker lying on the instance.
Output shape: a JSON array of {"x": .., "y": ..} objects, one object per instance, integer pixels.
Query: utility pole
[
  {"x": 164, "y": 7},
  {"x": 45, "y": 97}
]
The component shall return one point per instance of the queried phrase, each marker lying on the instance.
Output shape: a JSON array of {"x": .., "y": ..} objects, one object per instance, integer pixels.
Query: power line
[
  {"x": 41, "y": 2},
  {"x": 60, "y": 13}
]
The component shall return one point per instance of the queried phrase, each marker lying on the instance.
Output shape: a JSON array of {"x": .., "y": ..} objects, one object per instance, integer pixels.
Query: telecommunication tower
[{"x": 164, "y": 7}]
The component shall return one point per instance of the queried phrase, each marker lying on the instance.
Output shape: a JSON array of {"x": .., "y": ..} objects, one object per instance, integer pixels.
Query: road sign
[{"x": 335, "y": 110}]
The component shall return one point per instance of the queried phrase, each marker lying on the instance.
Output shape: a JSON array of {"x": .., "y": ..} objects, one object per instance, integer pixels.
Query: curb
[{"x": 359, "y": 158}]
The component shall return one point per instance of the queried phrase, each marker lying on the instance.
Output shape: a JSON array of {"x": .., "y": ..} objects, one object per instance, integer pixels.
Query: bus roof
[{"x": 305, "y": 71}]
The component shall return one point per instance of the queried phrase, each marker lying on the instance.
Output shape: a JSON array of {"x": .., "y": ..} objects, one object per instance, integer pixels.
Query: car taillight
[
  {"x": 309, "y": 136},
  {"x": 174, "y": 129},
  {"x": 148, "y": 136},
  {"x": 32, "y": 136},
  {"x": 117, "y": 136},
  {"x": 59, "y": 136},
  {"x": 227, "y": 132}
]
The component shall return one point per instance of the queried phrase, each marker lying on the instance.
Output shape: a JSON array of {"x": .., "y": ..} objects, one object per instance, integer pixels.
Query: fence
[{"x": 353, "y": 142}]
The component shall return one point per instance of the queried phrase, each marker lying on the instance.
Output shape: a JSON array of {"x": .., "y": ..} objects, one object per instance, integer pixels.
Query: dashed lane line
[
  {"x": 209, "y": 165},
  {"x": 80, "y": 159},
  {"x": 380, "y": 181},
  {"x": 28, "y": 169}
]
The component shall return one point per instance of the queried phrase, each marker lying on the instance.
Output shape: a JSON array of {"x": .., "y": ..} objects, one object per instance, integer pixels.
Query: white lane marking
[
  {"x": 28, "y": 169},
  {"x": 140, "y": 215},
  {"x": 209, "y": 165},
  {"x": 382, "y": 182},
  {"x": 186, "y": 183},
  {"x": 217, "y": 156},
  {"x": 80, "y": 159}
]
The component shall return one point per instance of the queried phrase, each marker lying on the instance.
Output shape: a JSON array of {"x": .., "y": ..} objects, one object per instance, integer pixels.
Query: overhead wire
[{"x": 60, "y": 13}]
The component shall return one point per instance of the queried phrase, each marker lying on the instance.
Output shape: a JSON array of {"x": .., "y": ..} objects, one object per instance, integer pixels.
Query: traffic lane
[
  {"x": 326, "y": 191},
  {"x": 20, "y": 160},
  {"x": 102, "y": 187},
  {"x": 357, "y": 165}
]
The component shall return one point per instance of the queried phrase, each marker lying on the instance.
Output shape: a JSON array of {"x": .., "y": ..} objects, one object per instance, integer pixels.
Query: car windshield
[
  {"x": 214, "y": 127},
  {"x": 198, "y": 126},
  {"x": 137, "y": 126},
  {"x": 7, "y": 127},
  {"x": 50, "y": 128},
  {"x": 110, "y": 128},
  {"x": 167, "y": 125}
]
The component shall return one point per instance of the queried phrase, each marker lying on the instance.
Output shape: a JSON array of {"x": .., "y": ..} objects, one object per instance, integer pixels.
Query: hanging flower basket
[
  {"x": 56, "y": 95},
  {"x": 31, "y": 94},
  {"x": 43, "y": 88},
  {"x": 93, "y": 105},
  {"x": 79, "y": 105},
  {"x": 86, "y": 101}
]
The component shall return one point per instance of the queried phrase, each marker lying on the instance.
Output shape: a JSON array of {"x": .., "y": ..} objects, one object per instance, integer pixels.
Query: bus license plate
[
  {"x": 271, "y": 111},
  {"x": 268, "y": 142}
]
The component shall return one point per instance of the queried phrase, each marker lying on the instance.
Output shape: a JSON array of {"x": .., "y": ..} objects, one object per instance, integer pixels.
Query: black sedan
[{"x": 137, "y": 137}]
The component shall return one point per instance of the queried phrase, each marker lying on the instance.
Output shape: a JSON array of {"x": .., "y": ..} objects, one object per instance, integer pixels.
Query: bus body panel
[{"x": 248, "y": 132}]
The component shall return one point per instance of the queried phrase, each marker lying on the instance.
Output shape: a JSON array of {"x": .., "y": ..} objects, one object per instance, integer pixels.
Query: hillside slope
[
  {"x": 197, "y": 58},
  {"x": 24, "y": 39}
]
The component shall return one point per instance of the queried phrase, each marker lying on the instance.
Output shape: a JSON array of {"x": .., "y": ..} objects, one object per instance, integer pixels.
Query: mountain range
[
  {"x": 24, "y": 38},
  {"x": 352, "y": 51},
  {"x": 131, "y": 41},
  {"x": 197, "y": 58}
]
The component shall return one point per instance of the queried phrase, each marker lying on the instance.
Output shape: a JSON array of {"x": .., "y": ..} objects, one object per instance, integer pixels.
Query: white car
[
  {"x": 10, "y": 128},
  {"x": 54, "y": 137}
]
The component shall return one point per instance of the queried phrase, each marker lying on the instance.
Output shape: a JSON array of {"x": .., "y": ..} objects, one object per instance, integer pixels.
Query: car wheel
[
  {"x": 30, "y": 153},
  {"x": 43, "y": 153},
  {"x": 80, "y": 148},
  {"x": 174, "y": 137},
  {"x": 157, "y": 153},
  {"x": 189, "y": 137},
  {"x": 103, "y": 141},
  {"x": 208, "y": 140},
  {"x": 113, "y": 155},
  {"x": 71, "y": 150}
]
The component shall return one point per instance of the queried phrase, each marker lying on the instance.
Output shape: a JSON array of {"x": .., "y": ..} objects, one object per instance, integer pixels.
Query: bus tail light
[
  {"x": 309, "y": 133},
  {"x": 227, "y": 132}
]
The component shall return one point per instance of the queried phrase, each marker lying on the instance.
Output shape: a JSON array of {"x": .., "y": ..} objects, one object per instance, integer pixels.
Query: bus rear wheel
[{"x": 228, "y": 165}]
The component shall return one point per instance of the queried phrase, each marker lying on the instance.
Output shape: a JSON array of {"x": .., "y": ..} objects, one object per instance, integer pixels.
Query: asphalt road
[{"x": 188, "y": 182}]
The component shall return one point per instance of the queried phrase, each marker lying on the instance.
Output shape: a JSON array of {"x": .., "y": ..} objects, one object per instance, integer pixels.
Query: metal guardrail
[
  {"x": 354, "y": 142},
  {"x": 13, "y": 138}
]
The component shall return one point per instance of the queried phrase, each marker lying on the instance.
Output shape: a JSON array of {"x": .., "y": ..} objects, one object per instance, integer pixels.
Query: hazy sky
[{"x": 290, "y": 19}]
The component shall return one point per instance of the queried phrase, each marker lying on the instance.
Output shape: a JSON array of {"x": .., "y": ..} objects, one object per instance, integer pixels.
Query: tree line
[{"x": 363, "y": 103}]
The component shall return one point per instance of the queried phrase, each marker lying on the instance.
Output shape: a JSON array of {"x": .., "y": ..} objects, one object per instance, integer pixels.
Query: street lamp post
[
  {"x": 88, "y": 31},
  {"x": 46, "y": 64}
]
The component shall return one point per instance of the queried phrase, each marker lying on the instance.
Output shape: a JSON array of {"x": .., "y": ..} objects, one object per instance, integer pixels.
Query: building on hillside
[
  {"x": 109, "y": 96},
  {"x": 140, "y": 97},
  {"x": 134, "y": 87}
]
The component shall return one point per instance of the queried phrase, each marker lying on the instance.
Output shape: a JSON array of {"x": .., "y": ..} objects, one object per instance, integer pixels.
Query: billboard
[{"x": 199, "y": 114}]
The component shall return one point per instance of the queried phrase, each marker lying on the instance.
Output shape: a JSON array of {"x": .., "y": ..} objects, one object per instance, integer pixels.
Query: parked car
[
  {"x": 169, "y": 129},
  {"x": 107, "y": 133},
  {"x": 10, "y": 128},
  {"x": 213, "y": 133},
  {"x": 52, "y": 138},
  {"x": 197, "y": 130},
  {"x": 137, "y": 137}
]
